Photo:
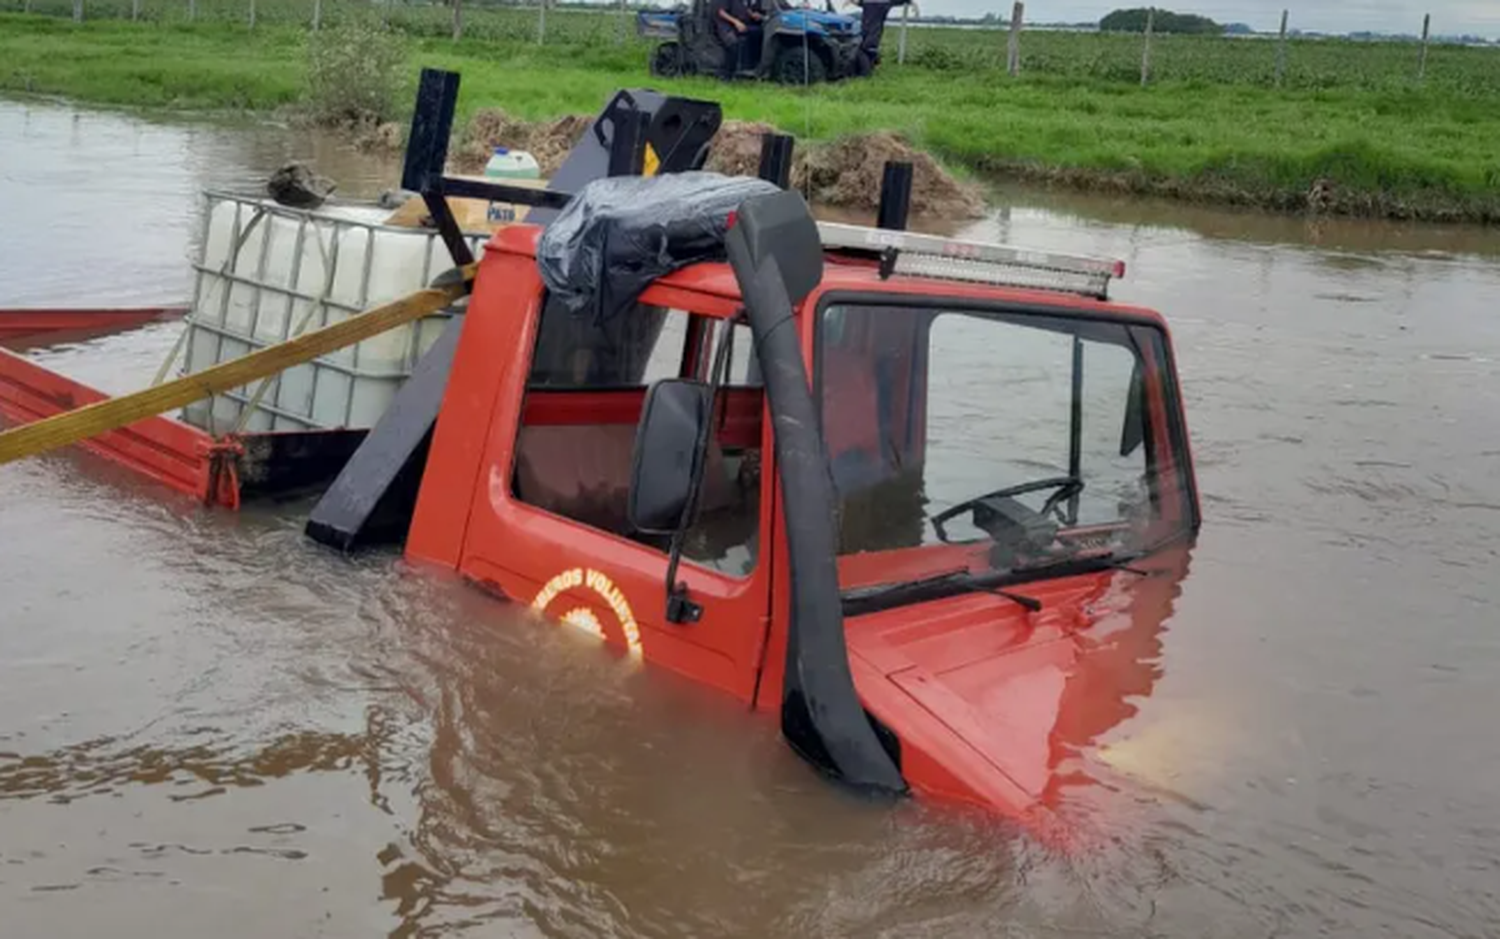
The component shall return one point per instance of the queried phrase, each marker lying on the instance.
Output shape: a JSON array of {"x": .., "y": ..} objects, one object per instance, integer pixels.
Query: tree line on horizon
[
  {"x": 1163, "y": 21},
  {"x": 1131, "y": 20}
]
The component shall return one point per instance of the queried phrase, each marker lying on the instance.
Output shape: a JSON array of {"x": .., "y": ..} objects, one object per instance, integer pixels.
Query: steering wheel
[{"x": 1066, "y": 486}]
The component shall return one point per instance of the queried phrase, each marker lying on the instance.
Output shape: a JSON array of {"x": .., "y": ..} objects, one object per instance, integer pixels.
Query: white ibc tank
[{"x": 268, "y": 272}]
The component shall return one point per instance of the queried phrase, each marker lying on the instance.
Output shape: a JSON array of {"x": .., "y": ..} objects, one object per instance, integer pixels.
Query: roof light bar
[{"x": 921, "y": 255}]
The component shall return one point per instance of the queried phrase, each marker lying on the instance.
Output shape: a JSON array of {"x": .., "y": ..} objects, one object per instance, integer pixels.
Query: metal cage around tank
[{"x": 266, "y": 272}]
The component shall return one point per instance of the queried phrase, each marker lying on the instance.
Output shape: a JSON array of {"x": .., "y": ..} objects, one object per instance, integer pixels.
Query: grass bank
[{"x": 1390, "y": 147}]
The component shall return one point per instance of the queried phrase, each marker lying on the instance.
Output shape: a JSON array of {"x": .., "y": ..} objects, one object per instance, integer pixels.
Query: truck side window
[
  {"x": 633, "y": 349},
  {"x": 584, "y": 393}
]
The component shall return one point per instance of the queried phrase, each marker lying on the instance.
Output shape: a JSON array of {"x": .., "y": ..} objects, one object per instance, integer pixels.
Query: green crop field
[
  {"x": 1112, "y": 57},
  {"x": 1349, "y": 120}
]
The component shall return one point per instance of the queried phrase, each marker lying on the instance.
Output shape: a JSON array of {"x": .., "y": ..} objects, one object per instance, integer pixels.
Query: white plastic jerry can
[{"x": 508, "y": 164}]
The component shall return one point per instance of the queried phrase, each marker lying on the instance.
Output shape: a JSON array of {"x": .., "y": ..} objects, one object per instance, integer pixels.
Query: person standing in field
[{"x": 873, "y": 14}]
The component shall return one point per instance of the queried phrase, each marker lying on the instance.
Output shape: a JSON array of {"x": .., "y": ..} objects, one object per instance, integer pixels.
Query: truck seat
[
  {"x": 856, "y": 422},
  {"x": 582, "y": 472}
]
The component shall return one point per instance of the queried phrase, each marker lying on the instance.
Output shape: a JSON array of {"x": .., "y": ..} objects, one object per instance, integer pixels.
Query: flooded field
[{"x": 208, "y": 725}]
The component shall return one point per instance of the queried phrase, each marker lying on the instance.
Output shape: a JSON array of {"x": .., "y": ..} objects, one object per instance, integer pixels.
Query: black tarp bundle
[{"x": 620, "y": 233}]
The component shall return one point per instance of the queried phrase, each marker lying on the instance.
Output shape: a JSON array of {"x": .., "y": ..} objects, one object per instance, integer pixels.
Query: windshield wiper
[
  {"x": 863, "y": 600},
  {"x": 1068, "y": 564},
  {"x": 951, "y": 583}
]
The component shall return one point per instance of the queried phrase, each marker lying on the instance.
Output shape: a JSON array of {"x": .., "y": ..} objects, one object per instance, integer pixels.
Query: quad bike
[{"x": 798, "y": 46}]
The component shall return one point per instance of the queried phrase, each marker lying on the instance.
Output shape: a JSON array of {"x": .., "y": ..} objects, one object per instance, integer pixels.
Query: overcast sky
[{"x": 1342, "y": 16}]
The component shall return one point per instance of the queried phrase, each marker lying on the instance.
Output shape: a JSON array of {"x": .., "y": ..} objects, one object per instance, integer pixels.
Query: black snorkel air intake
[{"x": 777, "y": 257}]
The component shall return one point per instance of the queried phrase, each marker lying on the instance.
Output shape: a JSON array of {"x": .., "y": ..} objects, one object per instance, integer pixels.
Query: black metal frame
[
  {"x": 895, "y": 196},
  {"x": 776, "y": 159},
  {"x": 432, "y": 127},
  {"x": 427, "y": 156},
  {"x": 1075, "y": 426}
]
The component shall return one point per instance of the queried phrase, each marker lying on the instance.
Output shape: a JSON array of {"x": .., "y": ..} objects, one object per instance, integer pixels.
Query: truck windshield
[{"x": 995, "y": 440}]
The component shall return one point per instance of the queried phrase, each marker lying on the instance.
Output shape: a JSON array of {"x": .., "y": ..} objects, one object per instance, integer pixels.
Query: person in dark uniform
[
  {"x": 873, "y": 14},
  {"x": 731, "y": 27},
  {"x": 754, "y": 37}
]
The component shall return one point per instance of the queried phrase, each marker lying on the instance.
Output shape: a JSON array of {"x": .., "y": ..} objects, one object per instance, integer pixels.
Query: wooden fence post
[
  {"x": 1422, "y": 63},
  {"x": 135, "y": 10},
  {"x": 1146, "y": 49},
  {"x": 252, "y": 15},
  {"x": 1281, "y": 52},
  {"x": 541, "y": 24},
  {"x": 78, "y": 11},
  {"x": 458, "y": 20},
  {"x": 620, "y": 34},
  {"x": 192, "y": 10},
  {"x": 1013, "y": 46},
  {"x": 901, "y": 40},
  {"x": 317, "y": 22}
]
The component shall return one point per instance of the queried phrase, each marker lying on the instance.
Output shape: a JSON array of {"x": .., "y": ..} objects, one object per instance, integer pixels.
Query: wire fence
[
  {"x": 552, "y": 23},
  {"x": 1149, "y": 56},
  {"x": 1008, "y": 47}
]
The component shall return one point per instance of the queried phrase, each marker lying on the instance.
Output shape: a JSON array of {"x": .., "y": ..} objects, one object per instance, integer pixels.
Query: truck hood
[{"x": 1001, "y": 708}]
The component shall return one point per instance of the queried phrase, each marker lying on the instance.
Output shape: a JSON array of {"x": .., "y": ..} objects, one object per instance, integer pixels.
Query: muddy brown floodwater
[{"x": 208, "y": 726}]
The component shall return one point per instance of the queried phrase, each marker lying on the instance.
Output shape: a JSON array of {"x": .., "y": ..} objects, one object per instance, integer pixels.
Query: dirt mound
[
  {"x": 843, "y": 174},
  {"x": 847, "y": 174},
  {"x": 736, "y": 148},
  {"x": 547, "y": 141}
]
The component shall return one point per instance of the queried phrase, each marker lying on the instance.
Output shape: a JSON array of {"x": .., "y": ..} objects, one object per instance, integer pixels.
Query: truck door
[{"x": 552, "y": 530}]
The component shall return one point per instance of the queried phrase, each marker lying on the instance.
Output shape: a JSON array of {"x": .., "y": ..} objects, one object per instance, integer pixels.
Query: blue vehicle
[{"x": 798, "y": 46}]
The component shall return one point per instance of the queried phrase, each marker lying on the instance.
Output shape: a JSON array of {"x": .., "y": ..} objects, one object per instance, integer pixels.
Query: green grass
[
  {"x": 183, "y": 67},
  {"x": 1212, "y": 127}
]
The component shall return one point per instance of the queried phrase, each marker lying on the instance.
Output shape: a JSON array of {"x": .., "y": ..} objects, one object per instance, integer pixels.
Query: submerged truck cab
[
  {"x": 927, "y": 500},
  {"x": 878, "y": 482}
]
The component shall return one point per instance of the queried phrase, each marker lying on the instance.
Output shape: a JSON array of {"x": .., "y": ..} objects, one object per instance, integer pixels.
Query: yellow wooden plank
[
  {"x": 113, "y": 413},
  {"x": 472, "y": 215}
]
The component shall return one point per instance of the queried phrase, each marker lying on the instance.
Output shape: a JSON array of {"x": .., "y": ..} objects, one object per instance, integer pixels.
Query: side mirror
[
  {"x": 673, "y": 418},
  {"x": 1133, "y": 432}
]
